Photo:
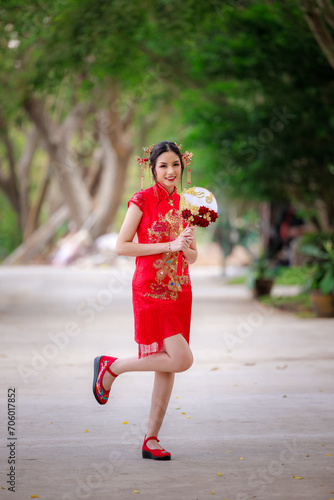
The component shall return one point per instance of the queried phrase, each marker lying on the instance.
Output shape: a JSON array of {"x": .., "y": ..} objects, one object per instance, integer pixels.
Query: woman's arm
[{"x": 125, "y": 245}]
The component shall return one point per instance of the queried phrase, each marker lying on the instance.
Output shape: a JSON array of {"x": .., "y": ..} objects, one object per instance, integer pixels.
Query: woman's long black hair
[{"x": 158, "y": 149}]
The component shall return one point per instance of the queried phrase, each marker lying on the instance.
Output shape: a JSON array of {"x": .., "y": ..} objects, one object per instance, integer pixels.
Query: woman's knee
[
  {"x": 178, "y": 349},
  {"x": 184, "y": 362}
]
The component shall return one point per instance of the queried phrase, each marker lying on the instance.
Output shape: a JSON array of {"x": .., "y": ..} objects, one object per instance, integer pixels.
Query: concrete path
[{"x": 253, "y": 417}]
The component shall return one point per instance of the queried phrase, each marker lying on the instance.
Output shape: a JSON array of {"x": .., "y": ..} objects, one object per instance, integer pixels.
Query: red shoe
[
  {"x": 156, "y": 454},
  {"x": 101, "y": 365}
]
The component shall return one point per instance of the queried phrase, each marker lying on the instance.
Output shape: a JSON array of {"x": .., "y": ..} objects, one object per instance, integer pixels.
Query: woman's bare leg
[
  {"x": 162, "y": 389},
  {"x": 177, "y": 357}
]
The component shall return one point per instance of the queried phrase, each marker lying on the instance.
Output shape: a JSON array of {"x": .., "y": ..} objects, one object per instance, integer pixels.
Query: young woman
[{"x": 161, "y": 299}]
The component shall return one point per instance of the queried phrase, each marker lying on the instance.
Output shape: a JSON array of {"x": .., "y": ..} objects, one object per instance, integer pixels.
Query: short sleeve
[{"x": 139, "y": 200}]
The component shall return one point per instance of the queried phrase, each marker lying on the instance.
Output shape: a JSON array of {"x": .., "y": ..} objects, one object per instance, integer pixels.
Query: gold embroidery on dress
[
  {"x": 176, "y": 223},
  {"x": 167, "y": 228},
  {"x": 166, "y": 268}
]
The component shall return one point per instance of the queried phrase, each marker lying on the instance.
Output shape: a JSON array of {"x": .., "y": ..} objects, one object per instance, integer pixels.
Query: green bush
[
  {"x": 10, "y": 234},
  {"x": 296, "y": 275},
  {"x": 316, "y": 238},
  {"x": 320, "y": 256}
]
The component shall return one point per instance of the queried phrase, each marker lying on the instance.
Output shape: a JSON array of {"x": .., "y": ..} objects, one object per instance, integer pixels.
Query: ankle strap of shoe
[
  {"x": 149, "y": 438},
  {"x": 111, "y": 373}
]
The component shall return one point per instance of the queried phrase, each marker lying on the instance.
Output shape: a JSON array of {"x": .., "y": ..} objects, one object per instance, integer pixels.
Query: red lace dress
[{"x": 161, "y": 299}]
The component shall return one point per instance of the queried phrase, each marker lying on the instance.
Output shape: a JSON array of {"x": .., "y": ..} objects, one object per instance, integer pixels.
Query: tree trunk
[
  {"x": 57, "y": 141},
  {"x": 117, "y": 149},
  {"x": 39, "y": 239},
  {"x": 8, "y": 183},
  {"x": 265, "y": 214},
  {"x": 23, "y": 168},
  {"x": 93, "y": 177},
  {"x": 115, "y": 165},
  {"x": 324, "y": 215},
  {"x": 316, "y": 15},
  {"x": 34, "y": 212}
]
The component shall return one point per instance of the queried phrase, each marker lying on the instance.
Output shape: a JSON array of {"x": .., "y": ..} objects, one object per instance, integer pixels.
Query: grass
[
  {"x": 240, "y": 280},
  {"x": 286, "y": 276},
  {"x": 299, "y": 304},
  {"x": 293, "y": 275}
]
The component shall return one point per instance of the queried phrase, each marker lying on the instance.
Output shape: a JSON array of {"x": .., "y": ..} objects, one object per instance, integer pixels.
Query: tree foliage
[
  {"x": 252, "y": 86},
  {"x": 266, "y": 121}
]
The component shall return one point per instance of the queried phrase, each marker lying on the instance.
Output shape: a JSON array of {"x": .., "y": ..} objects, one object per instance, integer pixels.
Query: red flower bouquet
[
  {"x": 204, "y": 217},
  {"x": 199, "y": 208}
]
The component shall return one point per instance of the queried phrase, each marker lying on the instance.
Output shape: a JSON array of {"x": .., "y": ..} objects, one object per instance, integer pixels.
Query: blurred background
[{"x": 247, "y": 86}]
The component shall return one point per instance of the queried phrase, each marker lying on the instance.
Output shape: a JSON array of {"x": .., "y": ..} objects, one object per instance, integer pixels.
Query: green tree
[{"x": 265, "y": 119}]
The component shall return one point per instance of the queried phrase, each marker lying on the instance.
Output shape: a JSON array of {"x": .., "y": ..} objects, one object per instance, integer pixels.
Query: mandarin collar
[{"x": 166, "y": 193}]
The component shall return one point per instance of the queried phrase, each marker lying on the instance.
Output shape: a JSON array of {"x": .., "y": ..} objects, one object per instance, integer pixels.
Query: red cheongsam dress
[{"x": 161, "y": 299}]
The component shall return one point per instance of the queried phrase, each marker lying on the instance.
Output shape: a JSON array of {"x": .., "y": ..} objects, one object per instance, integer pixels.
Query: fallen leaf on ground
[
  {"x": 297, "y": 477},
  {"x": 329, "y": 455},
  {"x": 183, "y": 413},
  {"x": 219, "y": 474},
  {"x": 241, "y": 458},
  {"x": 307, "y": 455},
  {"x": 136, "y": 491},
  {"x": 281, "y": 367},
  {"x": 214, "y": 369},
  {"x": 228, "y": 451},
  {"x": 285, "y": 396},
  {"x": 86, "y": 430},
  {"x": 50, "y": 422},
  {"x": 34, "y": 496},
  {"x": 125, "y": 422},
  {"x": 212, "y": 492},
  {"x": 188, "y": 417}
]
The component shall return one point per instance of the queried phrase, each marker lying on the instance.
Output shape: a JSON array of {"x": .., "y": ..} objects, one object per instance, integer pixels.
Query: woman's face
[{"x": 168, "y": 170}]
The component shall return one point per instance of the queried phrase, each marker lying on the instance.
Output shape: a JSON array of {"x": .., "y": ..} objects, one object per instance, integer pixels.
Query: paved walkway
[{"x": 252, "y": 418}]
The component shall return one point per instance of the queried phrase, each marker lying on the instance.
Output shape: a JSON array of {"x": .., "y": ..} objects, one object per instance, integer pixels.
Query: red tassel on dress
[{"x": 161, "y": 298}]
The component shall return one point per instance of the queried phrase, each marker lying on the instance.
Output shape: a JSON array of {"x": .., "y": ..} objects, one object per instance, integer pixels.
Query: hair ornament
[
  {"x": 143, "y": 162},
  {"x": 187, "y": 160}
]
